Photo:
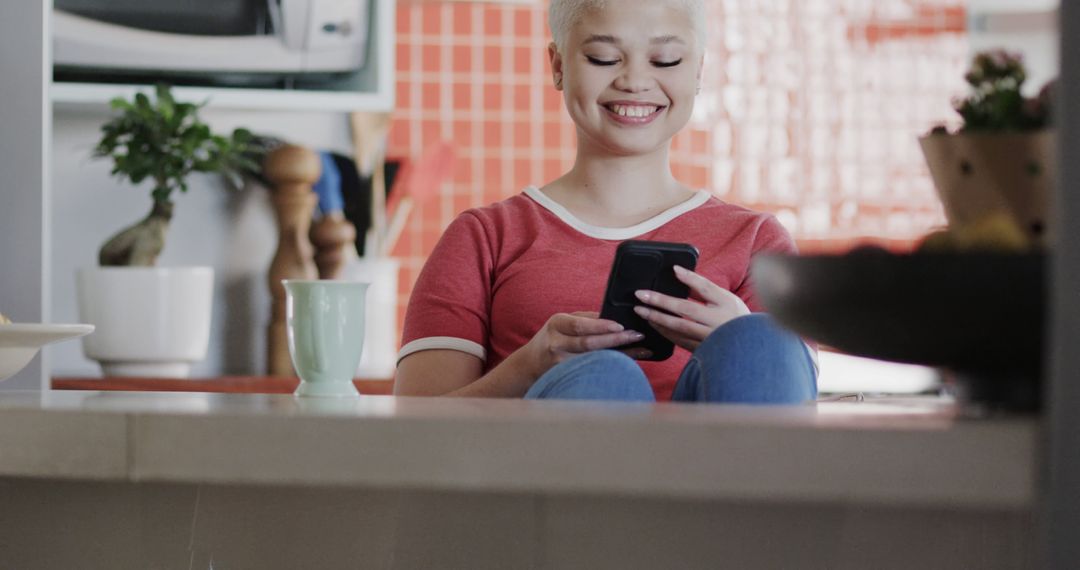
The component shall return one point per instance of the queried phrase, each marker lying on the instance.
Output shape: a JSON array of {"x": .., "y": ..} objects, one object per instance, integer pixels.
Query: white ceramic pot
[
  {"x": 978, "y": 174},
  {"x": 150, "y": 321}
]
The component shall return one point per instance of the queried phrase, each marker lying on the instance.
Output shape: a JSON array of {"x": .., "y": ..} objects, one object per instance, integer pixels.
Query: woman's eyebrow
[
  {"x": 603, "y": 39},
  {"x": 667, "y": 40},
  {"x": 608, "y": 39}
]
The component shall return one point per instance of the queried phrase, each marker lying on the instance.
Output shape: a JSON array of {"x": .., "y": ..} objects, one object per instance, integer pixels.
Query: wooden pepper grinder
[
  {"x": 292, "y": 170},
  {"x": 332, "y": 235}
]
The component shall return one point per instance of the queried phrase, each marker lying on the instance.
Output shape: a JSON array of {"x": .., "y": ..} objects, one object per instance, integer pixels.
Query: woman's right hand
[
  {"x": 451, "y": 372},
  {"x": 565, "y": 335}
]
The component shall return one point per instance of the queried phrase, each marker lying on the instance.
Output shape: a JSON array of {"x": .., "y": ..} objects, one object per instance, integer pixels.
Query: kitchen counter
[
  {"x": 173, "y": 480},
  {"x": 892, "y": 452}
]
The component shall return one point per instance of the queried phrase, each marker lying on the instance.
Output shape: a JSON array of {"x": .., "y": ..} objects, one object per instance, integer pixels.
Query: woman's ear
[{"x": 556, "y": 65}]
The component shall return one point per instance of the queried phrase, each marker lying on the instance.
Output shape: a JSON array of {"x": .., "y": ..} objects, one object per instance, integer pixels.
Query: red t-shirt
[{"x": 500, "y": 272}]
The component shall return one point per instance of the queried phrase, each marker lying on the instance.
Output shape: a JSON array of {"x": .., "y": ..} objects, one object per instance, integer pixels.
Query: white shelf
[
  {"x": 93, "y": 95},
  {"x": 1014, "y": 21},
  {"x": 373, "y": 85}
]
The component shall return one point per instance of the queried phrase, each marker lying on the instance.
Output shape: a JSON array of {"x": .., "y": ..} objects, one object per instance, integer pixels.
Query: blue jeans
[{"x": 748, "y": 360}]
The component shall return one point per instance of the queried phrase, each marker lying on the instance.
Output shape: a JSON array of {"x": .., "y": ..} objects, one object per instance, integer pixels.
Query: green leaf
[
  {"x": 164, "y": 94},
  {"x": 156, "y": 138},
  {"x": 246, "y": 164}
]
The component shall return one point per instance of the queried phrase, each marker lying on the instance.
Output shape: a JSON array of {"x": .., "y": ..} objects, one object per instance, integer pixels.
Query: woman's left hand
[{"x": 709, "y": 307}]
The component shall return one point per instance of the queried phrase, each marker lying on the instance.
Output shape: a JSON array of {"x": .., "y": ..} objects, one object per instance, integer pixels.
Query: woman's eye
[
  {"x": 598, "y": 61},
  {"x": 667, "y": 63}
]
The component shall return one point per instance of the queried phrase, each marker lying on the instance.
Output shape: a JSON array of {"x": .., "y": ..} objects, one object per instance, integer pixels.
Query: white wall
[
  {"x": 1026, "y": 26},
  {"x": 233, "y": 232}
]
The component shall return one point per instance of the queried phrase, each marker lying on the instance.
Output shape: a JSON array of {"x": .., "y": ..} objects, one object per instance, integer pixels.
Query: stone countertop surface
[{"x": 903, "y": 452}]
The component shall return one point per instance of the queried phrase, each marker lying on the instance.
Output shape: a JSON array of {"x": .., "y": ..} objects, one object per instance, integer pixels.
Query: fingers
[
  {"x": 689, "y": 343},
  {"x": 576, "y": 333},
  {"x": 690, "y": 309},
  {"x": 708, "y": 291},
  {"x": 587, "y": 314},
  {"x": 719, "y": 305},
  {"x": 599, "y": 342},
  {"x": 578, "y": 324},
  {"x": 678, "y": 325}
]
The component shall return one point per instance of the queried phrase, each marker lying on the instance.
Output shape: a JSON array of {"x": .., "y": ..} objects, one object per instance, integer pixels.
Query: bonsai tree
[
  {"x": 995, "y": 102},
  {"x": 164, "y": 142}
]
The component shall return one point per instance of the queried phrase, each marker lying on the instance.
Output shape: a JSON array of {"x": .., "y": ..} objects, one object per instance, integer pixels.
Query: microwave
[{"x": 207, "y": 37}]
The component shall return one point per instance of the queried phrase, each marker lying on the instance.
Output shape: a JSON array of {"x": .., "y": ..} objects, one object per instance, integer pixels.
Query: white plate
[
  {"x": 33, "y": 334},
  {"x": 19, "y": 342}
]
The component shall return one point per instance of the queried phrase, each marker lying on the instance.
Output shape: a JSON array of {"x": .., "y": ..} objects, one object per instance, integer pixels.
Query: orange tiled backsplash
[{"x": 809, "y": 110}]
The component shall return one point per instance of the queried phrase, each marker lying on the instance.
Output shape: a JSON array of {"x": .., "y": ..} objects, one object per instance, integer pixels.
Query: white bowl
[{"x": 19, "y": 342}]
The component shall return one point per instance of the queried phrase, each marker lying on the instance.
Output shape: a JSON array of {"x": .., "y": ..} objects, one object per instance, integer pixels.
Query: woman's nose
[{"x": 634, "y": 79}]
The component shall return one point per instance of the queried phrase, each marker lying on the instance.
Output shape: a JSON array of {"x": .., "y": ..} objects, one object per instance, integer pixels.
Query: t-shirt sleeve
[
  {"x": 770, "y": 237},
  {"x": 450, "y": 303}
]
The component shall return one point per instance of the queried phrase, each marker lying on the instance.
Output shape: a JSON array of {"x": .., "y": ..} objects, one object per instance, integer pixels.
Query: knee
[
  {"x": 755, "y": 329},
  {"x": 599, "y": 375},
  {"x": 754, "y": 359},
  {"x": 601, "y": 366},
  {"x": 608, "y": 360}
]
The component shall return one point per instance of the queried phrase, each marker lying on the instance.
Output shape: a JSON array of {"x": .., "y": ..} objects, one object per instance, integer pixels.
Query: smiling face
[{"x": 629, "y": 72}]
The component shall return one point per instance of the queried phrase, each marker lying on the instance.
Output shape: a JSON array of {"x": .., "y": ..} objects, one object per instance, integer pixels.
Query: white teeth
[{"x": 635, "y": 111}]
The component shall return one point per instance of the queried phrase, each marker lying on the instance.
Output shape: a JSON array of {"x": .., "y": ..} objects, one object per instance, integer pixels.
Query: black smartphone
[{"x": 645, "y": 265}]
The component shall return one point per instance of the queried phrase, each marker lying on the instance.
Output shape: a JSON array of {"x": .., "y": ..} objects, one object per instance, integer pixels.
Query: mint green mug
[{"x": 325, "y": 323}]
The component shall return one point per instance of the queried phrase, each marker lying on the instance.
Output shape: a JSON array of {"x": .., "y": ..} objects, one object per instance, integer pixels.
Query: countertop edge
[{"x": 972, "y": 464}]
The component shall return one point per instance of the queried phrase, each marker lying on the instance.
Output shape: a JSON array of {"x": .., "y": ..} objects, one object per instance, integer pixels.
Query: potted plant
[
  {"x": 994, "y": 173},
  {"x": 154, "y": 321}
]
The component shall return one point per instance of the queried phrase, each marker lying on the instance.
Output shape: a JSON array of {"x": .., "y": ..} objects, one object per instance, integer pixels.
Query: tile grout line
[
  {"x": 477, "y": 100},
  {"x": 508, "y": 181}
]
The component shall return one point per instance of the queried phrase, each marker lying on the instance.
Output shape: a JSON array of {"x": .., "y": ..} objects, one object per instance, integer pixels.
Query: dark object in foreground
[{"x": 979, "y": 315}]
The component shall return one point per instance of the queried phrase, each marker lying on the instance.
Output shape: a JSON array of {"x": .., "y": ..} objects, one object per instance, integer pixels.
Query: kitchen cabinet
[
  {"x": 32, "y": 235},
  {"x": 369, "y": 89}
]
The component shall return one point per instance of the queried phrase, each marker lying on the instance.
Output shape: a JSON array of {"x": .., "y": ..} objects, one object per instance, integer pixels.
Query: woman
[{"x": 505, "y": 304}]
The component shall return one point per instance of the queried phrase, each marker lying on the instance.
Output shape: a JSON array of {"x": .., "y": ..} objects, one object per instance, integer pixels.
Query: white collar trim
[{"x": 600, "y": 232}]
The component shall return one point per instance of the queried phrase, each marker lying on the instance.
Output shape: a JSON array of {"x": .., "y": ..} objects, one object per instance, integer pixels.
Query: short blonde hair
[{"x": 563, "y": 14}]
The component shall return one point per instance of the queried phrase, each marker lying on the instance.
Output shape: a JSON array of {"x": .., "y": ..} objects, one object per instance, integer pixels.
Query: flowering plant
[
  {"x": 995, "y": 102},
  {"x": 993, "y": 184}
]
